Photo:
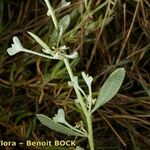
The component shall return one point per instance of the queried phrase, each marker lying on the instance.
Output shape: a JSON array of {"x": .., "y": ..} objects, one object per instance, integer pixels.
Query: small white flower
[
  {"x": 88, "y": 79},
  {"x": 60, "y": 55},
  {"x": 60, "y": 116},
  {"x": 16, "y": 47}
]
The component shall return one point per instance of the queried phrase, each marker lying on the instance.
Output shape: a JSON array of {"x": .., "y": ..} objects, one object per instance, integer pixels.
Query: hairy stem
[
  {"x": 83, "y": 106},
  {"x": 52, "y": 13}
]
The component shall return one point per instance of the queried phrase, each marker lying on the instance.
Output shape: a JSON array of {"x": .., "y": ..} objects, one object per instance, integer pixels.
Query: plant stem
[
  {"x": 52, "y": 13},
  {"x": 75, "y": 129},
  {"x": 38, "y": 54},
  {"x": 90, "y": 131},
  {"x": 83, "y": 106}
]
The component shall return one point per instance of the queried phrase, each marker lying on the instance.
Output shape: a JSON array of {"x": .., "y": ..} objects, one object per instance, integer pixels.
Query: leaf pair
[
  {"x": 56, "y": 126},
  {"x": 107, "y": 92}
]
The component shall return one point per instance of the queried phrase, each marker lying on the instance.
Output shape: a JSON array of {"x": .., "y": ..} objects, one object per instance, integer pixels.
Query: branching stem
[{"x": 83, "y": 106}]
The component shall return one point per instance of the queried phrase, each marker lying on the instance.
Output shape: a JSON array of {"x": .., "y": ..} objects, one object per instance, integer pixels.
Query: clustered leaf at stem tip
[
  {"x": 88, "y": 80},
  {"x": 60, "y": 55}
]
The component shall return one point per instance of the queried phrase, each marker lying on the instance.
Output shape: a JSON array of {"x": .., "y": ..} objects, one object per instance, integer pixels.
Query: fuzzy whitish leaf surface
[
  {"x": 45, "y": 47},
  {"x": 56, "y": 126},
  {"x": 110, "y": 88},
  {"x": 64, "y": 22},
  {"x": 57, "y": 35}
]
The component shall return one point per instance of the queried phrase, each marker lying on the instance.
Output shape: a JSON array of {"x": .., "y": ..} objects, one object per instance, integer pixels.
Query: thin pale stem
[
  {"x": 83, "y": 106},
  {"x": 73, "y": 128},
  {"x": 52, "y": 13},
  {"x": 90, "y": 99},
  {"x": 36, "y": 53}
]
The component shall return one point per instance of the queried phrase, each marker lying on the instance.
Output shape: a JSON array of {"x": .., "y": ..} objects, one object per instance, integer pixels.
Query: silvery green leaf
[
  {"x": 56, "y": 126},
  {"x": 57, "y": 35},
  {"x": 45, "y": 47},
  {"x": 110, "y": 88},
  {"x": 64, "y": 23},
  {"x": 54, "y": 37}
]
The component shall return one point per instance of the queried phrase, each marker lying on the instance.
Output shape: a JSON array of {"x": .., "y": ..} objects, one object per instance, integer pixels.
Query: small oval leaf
[
  {"x": 110, "y": 88},
  {"x": 57, "y": 35},
  {"x": 56, "y": 126},
  {"x": 64, "y": 23}
]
